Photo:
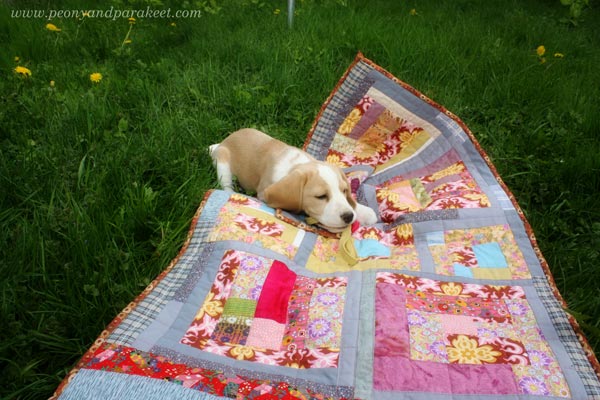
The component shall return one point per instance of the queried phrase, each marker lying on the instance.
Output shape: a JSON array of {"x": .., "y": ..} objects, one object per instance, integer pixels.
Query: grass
[{"x": 99, "y": 181}]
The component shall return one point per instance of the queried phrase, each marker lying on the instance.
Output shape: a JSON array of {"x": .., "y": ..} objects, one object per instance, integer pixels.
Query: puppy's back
[{"x": 250, "y": 154}]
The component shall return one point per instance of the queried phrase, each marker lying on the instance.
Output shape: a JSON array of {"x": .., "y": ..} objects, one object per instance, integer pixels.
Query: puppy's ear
[
  {"x": 287, "y": 192},
  {"x": 349, "y": 197}
]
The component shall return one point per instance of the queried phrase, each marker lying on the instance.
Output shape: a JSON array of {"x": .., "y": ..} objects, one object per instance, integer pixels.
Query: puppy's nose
[{"x": 347, "y": 217}]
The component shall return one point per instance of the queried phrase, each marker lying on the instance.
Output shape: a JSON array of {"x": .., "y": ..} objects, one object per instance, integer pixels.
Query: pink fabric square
[
  {"x": 406, "y": 196},
  {"x": 401, "y": 374},
  {"x": 462, "y": 324},
  {"x": 482, "y": 379},
  {"x": 392, "y": 337},
  {"x": 266, "y": 334}
]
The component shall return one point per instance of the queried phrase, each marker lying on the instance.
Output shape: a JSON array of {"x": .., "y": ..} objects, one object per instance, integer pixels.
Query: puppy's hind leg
[{"x": 221, "y": 157}]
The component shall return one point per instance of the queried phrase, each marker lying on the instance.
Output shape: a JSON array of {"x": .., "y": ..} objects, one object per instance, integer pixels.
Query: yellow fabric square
[{"x": 491, "y": 273}]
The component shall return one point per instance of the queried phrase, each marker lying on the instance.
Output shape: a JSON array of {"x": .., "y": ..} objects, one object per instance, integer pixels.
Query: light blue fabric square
[
  {"x": 435, "y": 238},
  {"x": 461, "y": 270},
  {"x": 371, "y": 248},
  {"x": 489, "y": 255},
  {"x": 266, "y": 208}
]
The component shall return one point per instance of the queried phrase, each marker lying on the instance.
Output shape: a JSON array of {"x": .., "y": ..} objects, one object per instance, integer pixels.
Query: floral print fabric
[
  {"x": 445, "y": 329},
  {"x": 451, "y": 186},
  {"x": 247, "y": 220},
  {"x": 308, "y": 335},
  {"x": 489, "y": 252},
  {"x": 127, "y": 360}
]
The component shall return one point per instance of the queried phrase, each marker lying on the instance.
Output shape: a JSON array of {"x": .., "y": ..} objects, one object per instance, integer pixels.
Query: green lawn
[{"x": 99, "y": 181}]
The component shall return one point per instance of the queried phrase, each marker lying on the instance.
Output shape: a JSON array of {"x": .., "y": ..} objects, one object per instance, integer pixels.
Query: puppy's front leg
[
  {"x": 220, "y": 156},
  {"x": 365, "y": 215}
]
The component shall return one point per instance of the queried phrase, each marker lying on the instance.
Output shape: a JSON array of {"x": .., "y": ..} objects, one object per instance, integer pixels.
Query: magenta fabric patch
[
  {"x": 391, "y": 326},
  {"x": 403, "y": 374},
  {"x": 482, "y": 379},
  {"x": 400, "y": 374},
  {"x": 275, "y": 294}
]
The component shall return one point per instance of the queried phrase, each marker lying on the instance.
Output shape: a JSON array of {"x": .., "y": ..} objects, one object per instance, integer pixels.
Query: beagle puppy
[{"x": 288, "y": 178}]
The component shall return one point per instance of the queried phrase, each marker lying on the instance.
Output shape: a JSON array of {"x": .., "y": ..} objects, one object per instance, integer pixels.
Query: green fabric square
[
  {"x": 239, "y": 307},
  {"x": 420, "y": 192}
]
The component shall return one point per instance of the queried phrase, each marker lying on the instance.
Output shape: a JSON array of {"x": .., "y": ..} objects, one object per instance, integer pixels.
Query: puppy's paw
[{"x": 365, "y": 215}]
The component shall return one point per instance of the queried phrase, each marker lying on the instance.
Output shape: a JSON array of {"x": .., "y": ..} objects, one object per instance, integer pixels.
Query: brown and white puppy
[{"x": 288, "y": 178}]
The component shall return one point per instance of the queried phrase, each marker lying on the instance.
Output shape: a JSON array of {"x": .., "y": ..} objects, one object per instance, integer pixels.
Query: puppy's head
[{"x": 320, "y": 190}]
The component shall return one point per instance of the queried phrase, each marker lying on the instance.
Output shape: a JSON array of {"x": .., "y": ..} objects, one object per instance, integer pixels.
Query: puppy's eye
[{"x": 322, "y": 197}]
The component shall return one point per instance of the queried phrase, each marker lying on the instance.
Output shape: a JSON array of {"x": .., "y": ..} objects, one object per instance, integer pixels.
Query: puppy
[{"x": 288, "y": 178}]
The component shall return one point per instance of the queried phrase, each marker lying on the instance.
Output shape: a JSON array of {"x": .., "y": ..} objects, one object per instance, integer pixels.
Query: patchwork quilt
[{"x": 447, "y": 297}]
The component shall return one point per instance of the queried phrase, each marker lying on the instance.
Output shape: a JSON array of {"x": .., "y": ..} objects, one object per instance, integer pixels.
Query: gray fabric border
[{"x": 565, "y": 333}]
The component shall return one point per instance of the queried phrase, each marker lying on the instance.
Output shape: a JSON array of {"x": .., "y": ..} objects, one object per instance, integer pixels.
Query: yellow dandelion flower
[
  {"x": 23, "y": 71},
  {"x": 559, "y": 55},
  {"x": 52, "y": 83},
  {"x": 96, "y": 77},
  {"x": 541, "y": 50},
  {"x": 17, "y": 59},
  {"x": 131, "y": 20},
  {"x": 413, "y": 12},
  {"x": 53, "y": 28},
  {"x": 173, "y": 24},
  {"x": 85, "y": 14}
]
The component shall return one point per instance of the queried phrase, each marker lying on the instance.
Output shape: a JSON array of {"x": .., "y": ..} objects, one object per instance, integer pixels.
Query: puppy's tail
[{"x": 212, "y": 148}]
